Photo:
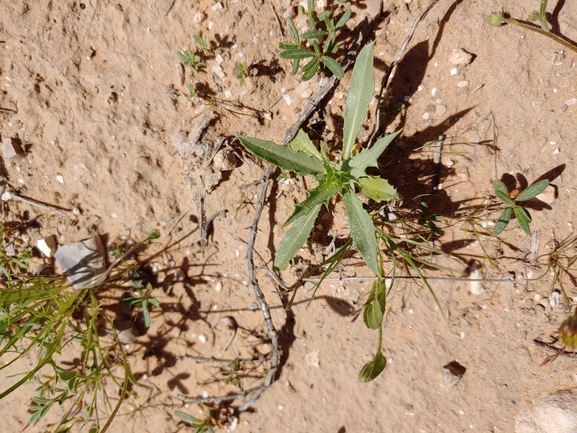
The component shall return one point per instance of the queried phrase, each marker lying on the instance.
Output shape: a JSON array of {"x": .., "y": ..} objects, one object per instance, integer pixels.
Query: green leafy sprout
[
  {"x": 320, "y": 42},
  {"x": 240, "y": 72},
  {"x": 199, "y": 425},
  {"x": 513, "y": 204},
  {"x": 343, "y": 178}
]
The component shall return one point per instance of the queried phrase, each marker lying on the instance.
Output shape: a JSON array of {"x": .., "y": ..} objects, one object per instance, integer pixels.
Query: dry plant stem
[
  {"x": 38, "y": 204},
  {"x": 399, "y": 57},
  {"x": 535, "y": 29}
]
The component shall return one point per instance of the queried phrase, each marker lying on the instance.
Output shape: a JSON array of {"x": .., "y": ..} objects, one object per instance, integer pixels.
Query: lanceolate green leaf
[
  {"x": 360, "y": 95},
  {"x": 376, "y": 188},
  {"x": 533, "y": 190},
  {"x": 299, "y": 53},
  {"x": 303, "y": 143},
  {"x": 295, "y": 238},
  {"x": 362, "y": 230},
  {"x": 320, "y": 195},
  {"x": 502, "y": 221},
  {"x": 375, "y": 307},
  {"x": 310, "y": 69},
  {"x": 501, "y": 192},
  {"x": 334, "y": 67},
  {"x": 282, "y": 156},
  {"x": 368, "y": 157},
  {"x": 523, "y": 217}
]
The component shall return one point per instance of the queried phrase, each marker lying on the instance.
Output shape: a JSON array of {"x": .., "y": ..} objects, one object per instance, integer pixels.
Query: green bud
[
  {"x": 533, "y": 16},
  {"x": 495, "y": 19},
  {"x": 568, "y": 332}
]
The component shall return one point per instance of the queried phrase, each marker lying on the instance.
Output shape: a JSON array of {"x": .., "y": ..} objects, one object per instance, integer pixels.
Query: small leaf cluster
[
  {"x": 143, "y": 301},
  {"x": 320, "y": 42},
  {"x": 199, "y": 425},
  {"x": 513, "y": 200},
  {"x": 192, "y": 61}
]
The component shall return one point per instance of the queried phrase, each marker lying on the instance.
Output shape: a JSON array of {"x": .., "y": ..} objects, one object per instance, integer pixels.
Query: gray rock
[
  {"x": 84, "y": 263},
  {"x": 553, "y": 413}
]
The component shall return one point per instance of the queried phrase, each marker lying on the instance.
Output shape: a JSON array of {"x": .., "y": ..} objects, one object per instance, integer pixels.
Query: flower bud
[
  {"x": 495, "y": 19},
  {"x": 568, "y": 332}
]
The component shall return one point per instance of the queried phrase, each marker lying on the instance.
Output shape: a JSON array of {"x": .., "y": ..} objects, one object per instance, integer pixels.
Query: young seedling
[
  {"x": 191, "y": 61},
  {"x": 320, "y": 44},
  {"x": 240, "y": 72},
  {"x": 143, "y": 301},
  {"x": 199, "y": 425},
  {"x": 512, "y": 200},
  {"x": 341, "y": 178}
]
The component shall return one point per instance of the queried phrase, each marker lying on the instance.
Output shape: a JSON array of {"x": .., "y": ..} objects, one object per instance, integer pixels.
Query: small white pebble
[
  {"x": 426, "y": 116},
  {"x": 434, "y": 91},
  {"x": 454, "y": 71},
  {"x": 287, "y": 98},
  {"x": 218, "y": 286},
  {"x": 464, "y": 83},
  {"x": 421, "y": 87},
  {"x": 60, "y": 179},
  {"x": 570, "y": 102},
  {"x": 216, "y": 7},
  {"x": 407, "y": 98},
  {"x": 202, "y": 338},
  {"x": 280, "y": 407}
]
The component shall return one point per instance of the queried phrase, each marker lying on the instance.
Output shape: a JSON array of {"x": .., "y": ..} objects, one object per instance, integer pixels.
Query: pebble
[
  {"x": 462, "y": 84},
  {"x": 202, "y": 338},
  {"x": 570, "y": 102},
  {"x": 460, "y": 57},
  {"x": 83, "y": 262},
  {"x": 454, "y": 71}
]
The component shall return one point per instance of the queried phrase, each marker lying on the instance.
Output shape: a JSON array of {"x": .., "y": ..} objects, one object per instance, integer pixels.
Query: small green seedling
[
  {"x": 323, "y": 42},
  {"x": 240, "y": 72},
  {"x": 201, "y": 43},
  {"x": 199, "y": 425},
  {"x": 512, "y": 201},
  {"x": 193, "y": 62},
  {"x": 341, "y": 178},
  {"x": 143, "y": 301}
]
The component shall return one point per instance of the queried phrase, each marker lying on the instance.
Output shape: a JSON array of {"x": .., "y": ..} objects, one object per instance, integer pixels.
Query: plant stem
[
  {"x": 543, "y": 16},
  {"x": 542, "y": 32}
]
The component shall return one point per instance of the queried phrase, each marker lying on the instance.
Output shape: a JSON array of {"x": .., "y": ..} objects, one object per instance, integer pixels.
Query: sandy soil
[{"x": 96, "y": 94}]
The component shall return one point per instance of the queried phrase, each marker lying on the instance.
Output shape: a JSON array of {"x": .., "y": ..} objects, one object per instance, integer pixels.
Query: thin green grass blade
[
  {"x": 333, "y": 261},
  {"x": 358, "y": 99},
  {"x": 295, "y": 238},
  {"x": 362, "y": 230}
]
